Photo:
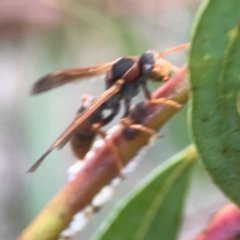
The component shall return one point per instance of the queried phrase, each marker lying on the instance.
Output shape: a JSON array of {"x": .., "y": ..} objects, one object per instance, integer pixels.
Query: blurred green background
[{"x": 39, "y": 36}]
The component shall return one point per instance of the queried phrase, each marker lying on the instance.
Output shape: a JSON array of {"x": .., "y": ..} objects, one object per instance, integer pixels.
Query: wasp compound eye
[{"x": 147, "y": 61}]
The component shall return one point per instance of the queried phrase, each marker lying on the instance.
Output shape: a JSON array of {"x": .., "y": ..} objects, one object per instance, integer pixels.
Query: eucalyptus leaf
[{"x": 214, "y": 72}]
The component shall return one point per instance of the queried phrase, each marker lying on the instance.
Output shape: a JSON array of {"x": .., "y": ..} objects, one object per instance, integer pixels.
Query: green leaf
[
  {"x": 154, "y": 209},
  {"x": 214, "y": 72}
]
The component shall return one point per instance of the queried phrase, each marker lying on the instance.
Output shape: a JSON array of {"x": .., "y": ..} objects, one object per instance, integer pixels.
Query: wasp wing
[
  {"x": 64, "y": 142},
  {"x": 84, "y": 116},
  {"x": 63, "y": 76},
  {"x": 67, "y": 139}
]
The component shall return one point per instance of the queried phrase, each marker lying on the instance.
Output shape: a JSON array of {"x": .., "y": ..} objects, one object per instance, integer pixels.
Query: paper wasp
[{"x": 123, "y": 79}]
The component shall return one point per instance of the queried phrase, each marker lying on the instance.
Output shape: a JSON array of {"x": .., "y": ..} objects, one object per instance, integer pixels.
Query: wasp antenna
[
  {"x": 174, "y": 49},
  {"x": 38, "y": 162}
]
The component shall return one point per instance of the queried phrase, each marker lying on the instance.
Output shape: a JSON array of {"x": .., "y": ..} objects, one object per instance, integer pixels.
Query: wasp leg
[
  {"x": 146, "y": 91},
  {"x": 159, "y": 100},
  {"x": 128, "y": 124},
  {"x": 165, "y": 101},
  {"x": 127, "y": 103},
  {"x": 125, "y": 121},
  {"x": 115, "y": 110},
  {"x": 102, "y": 134}
]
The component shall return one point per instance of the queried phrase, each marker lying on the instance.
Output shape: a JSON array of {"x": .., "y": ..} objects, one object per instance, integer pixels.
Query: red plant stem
[
  {"x": 101, "y": 168},
  {"x": 224, "y": 225}
]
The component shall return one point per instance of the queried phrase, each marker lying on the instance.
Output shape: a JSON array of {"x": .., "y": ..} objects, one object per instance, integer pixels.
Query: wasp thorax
[
  {"x": 147, "y": 61},
  {"x": 120, "y": 68}
]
